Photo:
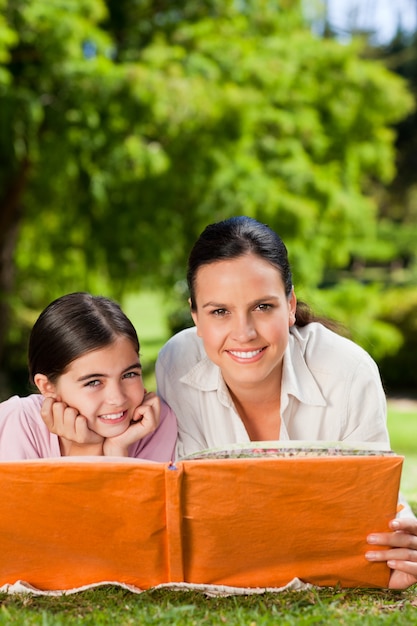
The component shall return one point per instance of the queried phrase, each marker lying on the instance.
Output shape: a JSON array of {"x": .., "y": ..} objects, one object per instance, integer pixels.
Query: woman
[
  {"x": 258, "y": 366},
  {"x": 84, "y": 360}
]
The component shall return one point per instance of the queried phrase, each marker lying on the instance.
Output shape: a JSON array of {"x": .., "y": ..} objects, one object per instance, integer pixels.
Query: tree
[{"x": 131, "y": 125}]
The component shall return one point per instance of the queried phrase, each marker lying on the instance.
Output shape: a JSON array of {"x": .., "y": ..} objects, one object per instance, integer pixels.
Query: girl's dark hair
[
  {"x": 238, "y": 236},
  {"x": 71, "y": 326}
]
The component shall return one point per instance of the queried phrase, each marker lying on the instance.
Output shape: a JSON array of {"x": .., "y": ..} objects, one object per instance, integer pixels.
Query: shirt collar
[{"x": 206, "y": 376}]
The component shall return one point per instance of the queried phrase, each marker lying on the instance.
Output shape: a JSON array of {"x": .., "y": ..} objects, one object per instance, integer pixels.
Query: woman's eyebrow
[
  {"x": 219, "y": 305},
  {"x": 216, "y": 305}
]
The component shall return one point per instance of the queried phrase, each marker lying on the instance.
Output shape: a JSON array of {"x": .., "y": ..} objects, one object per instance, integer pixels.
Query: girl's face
[
  {"x": 243, "y": 316},
  {"x": 105, "y": 386}
]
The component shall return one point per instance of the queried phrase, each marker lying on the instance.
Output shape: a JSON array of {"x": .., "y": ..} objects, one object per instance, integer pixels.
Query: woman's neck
[{"x": 260, "y": 412}]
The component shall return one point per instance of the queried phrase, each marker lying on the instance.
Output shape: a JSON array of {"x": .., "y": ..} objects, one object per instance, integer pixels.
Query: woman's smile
[{"x": 246, "y": 355}]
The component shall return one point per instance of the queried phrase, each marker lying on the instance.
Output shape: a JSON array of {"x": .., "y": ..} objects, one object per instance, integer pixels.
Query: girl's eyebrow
[{"x": 134, "y": 366}]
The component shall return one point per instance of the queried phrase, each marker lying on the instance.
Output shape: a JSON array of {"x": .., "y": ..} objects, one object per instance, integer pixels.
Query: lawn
[
  {"x": 112, "y": 605},
  {"x": 148, "y": 312},
  {"x": 402, "y": 426}
]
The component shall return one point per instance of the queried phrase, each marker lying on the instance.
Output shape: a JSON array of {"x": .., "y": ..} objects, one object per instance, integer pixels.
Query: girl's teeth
[
  {"x": 245, "y": 355},
  {"x": 113, "y": 416}
]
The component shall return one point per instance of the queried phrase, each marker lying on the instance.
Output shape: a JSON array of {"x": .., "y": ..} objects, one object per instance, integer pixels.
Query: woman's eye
[
  {"x": 219, "y": 312},
  {"x": 264, "y": 307}
]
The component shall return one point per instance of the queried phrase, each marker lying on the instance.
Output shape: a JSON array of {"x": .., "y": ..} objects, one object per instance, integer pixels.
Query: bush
[{"x": 399, "y": 370}]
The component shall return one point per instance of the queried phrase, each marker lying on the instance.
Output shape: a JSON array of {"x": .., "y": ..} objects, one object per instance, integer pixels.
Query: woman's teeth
[{"x": 245, "y": 355}]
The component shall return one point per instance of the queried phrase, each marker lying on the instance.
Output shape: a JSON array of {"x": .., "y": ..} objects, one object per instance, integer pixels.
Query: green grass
[
  {"x": 402, "y": 426},
  {"x": 148, "y": 312},
  {"x": 114, "y": 606}
]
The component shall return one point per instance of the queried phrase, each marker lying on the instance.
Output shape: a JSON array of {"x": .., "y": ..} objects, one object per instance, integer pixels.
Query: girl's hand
[
  {"x": 72, "y": 429},
  {"x": 401, "y": 555},
  {"x": 145, "y": 420}
]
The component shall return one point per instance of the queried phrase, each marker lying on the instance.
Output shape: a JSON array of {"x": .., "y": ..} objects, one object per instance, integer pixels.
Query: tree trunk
[{"x": 10, "y": 217}]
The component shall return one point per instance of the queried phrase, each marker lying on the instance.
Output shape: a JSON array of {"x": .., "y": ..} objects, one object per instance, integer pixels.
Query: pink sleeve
[
  {"x": 23, "y": 434},
  {"x": 159, "y": 445}
]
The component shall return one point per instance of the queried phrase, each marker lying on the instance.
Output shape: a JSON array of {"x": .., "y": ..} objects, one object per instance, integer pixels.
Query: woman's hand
[
  {"x": 401, "y": 555},
  {"x": 75, "y": 438},
  {"x": 145, "y": 420}
]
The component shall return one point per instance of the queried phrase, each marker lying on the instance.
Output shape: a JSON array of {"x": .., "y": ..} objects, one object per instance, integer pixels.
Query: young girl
[{"x": 83, "y": 358}]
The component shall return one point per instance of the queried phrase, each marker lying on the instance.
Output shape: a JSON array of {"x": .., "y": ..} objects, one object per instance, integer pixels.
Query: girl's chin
[{"x": 111, "y": 430}]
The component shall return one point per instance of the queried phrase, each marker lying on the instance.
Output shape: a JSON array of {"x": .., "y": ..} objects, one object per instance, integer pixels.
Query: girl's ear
[{"x": 45, "y": 386}]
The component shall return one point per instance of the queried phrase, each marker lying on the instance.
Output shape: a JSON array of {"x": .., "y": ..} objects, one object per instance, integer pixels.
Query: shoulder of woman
[
  {"x": 180, "y": 353},
  {"x": 317, "y": 340},
  {"x": 184, "y": 340}
]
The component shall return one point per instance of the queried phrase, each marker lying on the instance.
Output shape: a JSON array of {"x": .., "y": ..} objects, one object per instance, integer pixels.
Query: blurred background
[{"x": 126, "y": 126}]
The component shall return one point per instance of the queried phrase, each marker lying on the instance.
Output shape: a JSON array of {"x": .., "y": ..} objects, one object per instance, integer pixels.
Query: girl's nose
[{"x": 115, "y": 395}]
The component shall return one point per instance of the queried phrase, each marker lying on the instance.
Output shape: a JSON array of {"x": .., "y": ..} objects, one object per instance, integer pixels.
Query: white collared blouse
[{"x": 331, "y": 390}]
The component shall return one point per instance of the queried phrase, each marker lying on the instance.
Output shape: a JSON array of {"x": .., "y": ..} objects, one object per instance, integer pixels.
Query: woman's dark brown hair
[{"x": 238, "y": 236}]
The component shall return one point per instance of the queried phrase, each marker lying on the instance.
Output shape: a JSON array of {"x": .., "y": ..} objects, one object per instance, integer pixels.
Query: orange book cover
[{"x": 256, "y": 520}]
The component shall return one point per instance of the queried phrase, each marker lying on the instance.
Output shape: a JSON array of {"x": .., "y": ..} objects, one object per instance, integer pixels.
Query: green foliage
[
  {"x": 357, "y": 307},
  {"x": 128, "y": 126},
  {"x": 400, "y": 310},
  {"x": 210, "y": 123}
]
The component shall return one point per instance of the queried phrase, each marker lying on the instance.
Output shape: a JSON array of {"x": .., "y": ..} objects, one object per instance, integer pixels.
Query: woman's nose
[{"x": 244, "y": 329}]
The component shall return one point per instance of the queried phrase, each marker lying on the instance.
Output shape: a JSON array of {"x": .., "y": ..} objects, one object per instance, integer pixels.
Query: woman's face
[
  {"x": 243, "y": 317},
  {"x": 105, "y": 386}
]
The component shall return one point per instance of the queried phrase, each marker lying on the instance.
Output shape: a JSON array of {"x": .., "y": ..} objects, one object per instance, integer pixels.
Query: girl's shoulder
[
  {"x": 23, "y": 433},
  {"x": 27, "y": 407}
]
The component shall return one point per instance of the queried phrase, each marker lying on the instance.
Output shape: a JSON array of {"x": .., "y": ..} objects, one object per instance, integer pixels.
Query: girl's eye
[
  {"x": 133, "y": 374},
  {"x": 92, "y": 383}
]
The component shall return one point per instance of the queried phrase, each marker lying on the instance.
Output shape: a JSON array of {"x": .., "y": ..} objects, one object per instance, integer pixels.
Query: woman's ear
[
  {"x": 292, "y": 307},
  {"x": 193, "y": 315},
  {"x": 45, "y": 386}
]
